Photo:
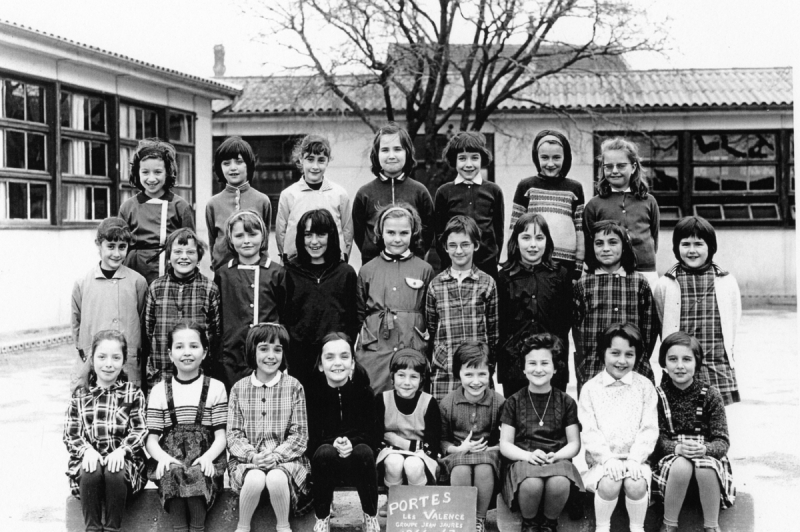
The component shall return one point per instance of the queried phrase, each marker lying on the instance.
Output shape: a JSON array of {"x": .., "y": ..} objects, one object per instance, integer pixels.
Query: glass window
[
  {"x": 734, "y": 147},
  {"x": 20, "y": 200},
  {"x": 83, "y": 157},
  {"x": 83, "y": 112},
  {"x": 181, "y": 128},
  {"x": 86, "y": 202},
  {"x": 137, "y": 123},
  {"x": 23, "y": 101},
  {"x": 23, "y": 150}
]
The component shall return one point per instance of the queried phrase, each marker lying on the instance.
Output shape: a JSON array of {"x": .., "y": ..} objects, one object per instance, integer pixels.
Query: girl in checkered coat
[{"x": 693, "y": 439}]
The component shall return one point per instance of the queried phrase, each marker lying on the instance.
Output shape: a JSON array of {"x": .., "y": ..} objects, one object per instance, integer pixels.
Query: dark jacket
[{"x": 348, "y": 411}]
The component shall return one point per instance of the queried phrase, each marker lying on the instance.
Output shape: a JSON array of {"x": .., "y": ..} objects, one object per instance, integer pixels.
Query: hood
[{"x": 565, "y": 168}]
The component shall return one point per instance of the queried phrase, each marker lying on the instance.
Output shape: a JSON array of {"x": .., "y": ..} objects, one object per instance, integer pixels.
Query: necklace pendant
[{"x": 541, "y": 423}]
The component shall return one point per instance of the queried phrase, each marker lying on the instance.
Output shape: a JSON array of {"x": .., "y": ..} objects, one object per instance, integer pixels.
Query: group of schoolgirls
[{"x": 415, "y": 331}]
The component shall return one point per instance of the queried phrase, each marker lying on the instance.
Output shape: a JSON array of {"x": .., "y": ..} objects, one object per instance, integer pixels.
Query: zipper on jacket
[{"x": 341, "y": 415}]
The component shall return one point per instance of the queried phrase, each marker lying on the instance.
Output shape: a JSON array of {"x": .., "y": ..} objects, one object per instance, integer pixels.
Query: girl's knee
[
  {"x": 682, "y": 465},
  {"x": 415, "y": 471},
  {"x": 609, "y": 489},
  {"x": 635, "y": 489},
  {"x": 394, "y": 463},
  {"x": 277, "y": 478},
  {"x": 531, "y": 485},
  {"x": 255, "y": 478},
  {"x": 557, "y": 484}
]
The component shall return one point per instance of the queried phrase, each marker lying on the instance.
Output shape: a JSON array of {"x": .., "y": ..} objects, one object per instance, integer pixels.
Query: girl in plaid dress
[
  {"x": 471, "y": 426},
  {"x": 612, "y": 291},
  {"x": 539, "y": 436},
  {"x": 186, "y": 417},
  {"x": 268, "y": 431},
  {"x": 693, "y": 438},
  {"x": 698, "y": 297},
  {"x": 104, "y": 433}
]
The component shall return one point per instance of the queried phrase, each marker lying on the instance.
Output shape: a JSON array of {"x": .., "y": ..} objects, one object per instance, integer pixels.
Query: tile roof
[{"x": 642, "y": 89}]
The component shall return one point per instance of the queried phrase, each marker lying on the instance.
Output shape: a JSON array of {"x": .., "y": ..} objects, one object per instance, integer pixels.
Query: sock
[
  {"x": 254, "y": 484},
  {"x": 602, "y": 512},
  {"x": 637, "y": 510},
  {"x": 278, "y": 486},
  {"x": 197, "y": 513}
]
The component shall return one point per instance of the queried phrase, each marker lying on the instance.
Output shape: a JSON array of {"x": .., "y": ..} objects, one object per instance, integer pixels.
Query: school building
[
  {"x": 718, "y": 143},
  {"x": 70, "y": 117}
]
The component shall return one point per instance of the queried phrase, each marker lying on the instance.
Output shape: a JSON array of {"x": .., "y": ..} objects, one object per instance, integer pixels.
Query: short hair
[
  {"x": 271, "y": 333},
  {"x": 697, "y": 227},
  {"x": 87, "y": 377},
  {"x": 113, "y": 229},
  {"x": 188, "y": 325},
  {"x": 628, "y": 331},
  {"x": 461, "y": 224},
  {"x": 680, "y": 338},
  {"x": 408, "y": 358},
  {"x": 322, "y": 222},
  {"x": 471, "y": 355},
  {"x": 333, "y": 337},
  {"x": 466, "y": 141},
  {"x": 401, "y": 209},
  {"x": 628, "y": 259},
  {"x": 392, "y": 128},
  {"x": 637, "y": 184},
  {"x": 232, "y": 148},
  {"x": 154, "y": 148},
  {"x": 251, "y": 222},
  {"x": 548, "y": 342},
  {"x": 519, "y": 227},
  {"x": 181, "y": 237},
  {"x": 310, "y": 144}
]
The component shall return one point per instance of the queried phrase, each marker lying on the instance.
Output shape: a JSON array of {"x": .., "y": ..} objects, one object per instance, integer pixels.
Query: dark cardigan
[{"x": 348, "y": 411}]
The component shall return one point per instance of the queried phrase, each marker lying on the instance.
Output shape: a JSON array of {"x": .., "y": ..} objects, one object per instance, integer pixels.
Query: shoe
[
  {"x": 530, "y": 525},
  {"x": 480, "y": 524},
  {"x": 549, "y": 525},
  {"x": 709, "y": 529},
  {"x": 323, "y": 525},
  {"x": 371, "y": 523},
  {"x": 382, "y": 510},
  {"x": 668, "y": 528}
]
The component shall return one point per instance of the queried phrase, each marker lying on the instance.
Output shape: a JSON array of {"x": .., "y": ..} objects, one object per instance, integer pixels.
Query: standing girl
[
  {"x": 539, "y": 436},
  {"x": 471, "y": 427},
  {"x": 410, "y": 423},
  {"x": 320, "y": 291},
  {"x": 612, "y": 291},
  {"x": 617, "y": 412},
  {"x": 268, "y": 431},
  {"x": 698, "y": 297},
  {"x": 535, "y": 296},
  {"x": 155, "y": 212},
  {"x": 186, "y": 418},
  {"x": 693, "y": 439},
  {"x": 104, "y": 433},
  {"x": 622, "y": 196},
  {"x": 391, "y": 295}
]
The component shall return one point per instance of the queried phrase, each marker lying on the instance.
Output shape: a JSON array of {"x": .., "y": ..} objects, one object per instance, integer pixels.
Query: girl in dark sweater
[
  {"x": 321, "y": 292},
  {"x": 341, "y": 422}
]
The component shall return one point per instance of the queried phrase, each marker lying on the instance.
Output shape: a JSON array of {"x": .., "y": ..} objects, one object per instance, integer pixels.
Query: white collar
[
  {"x": 477, "y": 181},
  {"x": 258, "y": 384},
  {"x": 620, "y": 271},
  {"x": 620, "y": 190},
  {"x": 608, "y": 380}
]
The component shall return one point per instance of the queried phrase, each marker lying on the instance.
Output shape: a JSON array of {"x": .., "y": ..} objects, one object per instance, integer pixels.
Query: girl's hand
[
  {"x": 90, "y": 459},
  {"x": 206, "y": 464},
  {"x": 344, "y": 446},
  {"x": 615, "y": 469},
  {"x": 691, "y": 449},
  {"x": 537, "y": 457},
  {"x": 165, "y": 464},
  {"x": 115, "y": 461},
  {"x": 634, "y": 469},
  {"x": 551, "y": 458}
]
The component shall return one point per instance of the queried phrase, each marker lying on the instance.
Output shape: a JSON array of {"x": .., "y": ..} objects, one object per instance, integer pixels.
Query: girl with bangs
[{"x": 320, "y": 291}]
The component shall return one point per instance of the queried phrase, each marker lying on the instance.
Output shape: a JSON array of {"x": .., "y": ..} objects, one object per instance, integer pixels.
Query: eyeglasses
[
  {"x": 611, "y": 167},
  {"x": 464, "y": 245}
]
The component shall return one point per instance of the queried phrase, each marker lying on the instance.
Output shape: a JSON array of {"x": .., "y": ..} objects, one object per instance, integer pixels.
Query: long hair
[
  {"x": 392, "y": 128},
  {"x": 322, "y": 222},
  {"x": 87, "y": 377},
  {"x": 519, "y": 227},
  {"x": 154, "y": 148},
  {"x": 631, "y": 150}
]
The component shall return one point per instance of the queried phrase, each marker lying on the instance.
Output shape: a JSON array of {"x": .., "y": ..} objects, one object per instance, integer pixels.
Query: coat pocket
[{"x": 416, "y": 284}]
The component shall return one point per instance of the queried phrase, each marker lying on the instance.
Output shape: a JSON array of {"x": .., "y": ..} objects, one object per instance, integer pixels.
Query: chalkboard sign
[{"x": 431, "y": 509}]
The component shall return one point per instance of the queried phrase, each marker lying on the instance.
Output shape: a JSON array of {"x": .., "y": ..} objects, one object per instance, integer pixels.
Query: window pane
[
  {"x": 762, "y": 178},
  {"x": 150, "y": 124},
  {"x": 139, "y": 121},
  {"x": 87, "y": 205},
  {"x": 38, "y": 201},
  {"x": 125, "y": 155},
  {"x": 15, "y": 100},
  {"x": 664, "y": 179},
  {"x": 65, "y": 105},
  {"x": 670, "y": 213},
  {"x": 3, "y": 200},
  {"x": 664, "y": 148},
  {"x": 15, "y": 149},
  {"x": 709, "y": 212},
  {"x": 180, "y": 127},
  {"x": 98, "y": 159},
  {"x": 734, "y": 178},
  {"x": 123, "y": 121},
  {"x": 706, "y": 178},
  {"x": 35, "y": 103},
  {"x": 100, "y": 203},
  {"x": 184, "y": 169},
  {"x": 97, "y": 115},
  {"x": 75, "y": 156},
  {"x": 185, "y": 193},
  {"x": 36, "y": 152},
  {"x": 736, "y": 212},
  {"x": 765, "y": 212},
  {"x": 18, "y": 201},
  {"x": 734, "y": 147}
]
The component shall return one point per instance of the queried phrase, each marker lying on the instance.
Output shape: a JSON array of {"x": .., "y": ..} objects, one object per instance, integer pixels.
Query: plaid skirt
[
  {"x": 517, "y": 472},
  {"x": 458, "y": 459},
  {"x": 721, "y": 467}
]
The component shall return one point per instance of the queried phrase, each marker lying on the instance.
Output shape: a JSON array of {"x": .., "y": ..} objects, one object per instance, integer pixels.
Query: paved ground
[{"x": 765, "y": 430}]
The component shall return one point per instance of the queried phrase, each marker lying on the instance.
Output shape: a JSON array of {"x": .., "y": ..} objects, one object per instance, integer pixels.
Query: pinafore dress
[
  {"x": 721, "y": 467},
  {"x": 186, "y": 443}
]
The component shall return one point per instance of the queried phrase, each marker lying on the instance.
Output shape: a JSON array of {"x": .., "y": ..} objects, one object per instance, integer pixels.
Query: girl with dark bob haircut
[
  {"x": 271, "y": 333},
  {"x": 629, "y": 332},
  {"x": 322, "y": 222},
  {"x": 412, "y": 359},
  {"x": 522, "y": 224},
  {"x": 471, "y": 355},
  {"x": 607, "y": 227},
  {"x": 696, "y": 227},
  {"x": 466, "y": 142},
  {"x": 232, "y": 148},
  {"x": 683, "y": 339},
  {"x": 392, "y": 128}
]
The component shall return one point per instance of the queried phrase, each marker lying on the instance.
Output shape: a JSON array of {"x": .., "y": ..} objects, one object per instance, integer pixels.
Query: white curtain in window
[
  {"x": 76, "y": 202},
  {"x": 78, "y": 111}
]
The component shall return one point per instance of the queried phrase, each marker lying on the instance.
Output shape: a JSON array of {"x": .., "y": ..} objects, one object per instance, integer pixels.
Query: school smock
[
  {"x": 250, "y": 294},
  {"x": 618, "y": 420},
  {"x": 299, "y": 198},
  {"x": 483, "y": 202},
  {"x": 107, "y": 419},
  {"x": 417, "y": 419},
  {"x": 151, "y": 221},
  {"x": 640, "y": 217},
  {"x": 347, "y": 411},
  {"x": 220, "y": 207},
  {"x": 383, "y": 191},
  {"x": 270, "y": 417},
  {"x": 390, "y": 298},
  {"x": 170, "y": 299}
]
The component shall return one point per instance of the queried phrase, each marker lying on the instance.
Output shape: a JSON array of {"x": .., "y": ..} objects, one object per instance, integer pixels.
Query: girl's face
[
  {"x": 461, "y": 250},
  {"x": 681, "y": 366},
  {"x": 620, "y": 357},
  {"x": 268, "y": 359},
  {"x": 693, "y": 252},
  {"x": 551, "y": 159},
  {"x": 397, "y": 234},
  {"x": 112, "y": 254},
  {"x": 246, "y": 243},
  {"x": 235, "y": 170},
  {"x": 618, "y": 168},
  {"x": 153, "y": 174},
  {"x": 183, "y": 258},
  {"x": 608, "y": 250},
  {"x": 336, "y": 362},
  {"x": 468, "y": 165},
  {"x": 539, "y": 369},
  {"x": 316, "y": 244},
  {"x": 314, "y": 166},
  {"x": 391, "y": 155},
  {"x": 475, "y": 381},
  {"x": 532, "y": 243},
  {"x": 107, "y": 362},
  {"x": 187, "y": 353},
  {"x": 406, "y": 382}
]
